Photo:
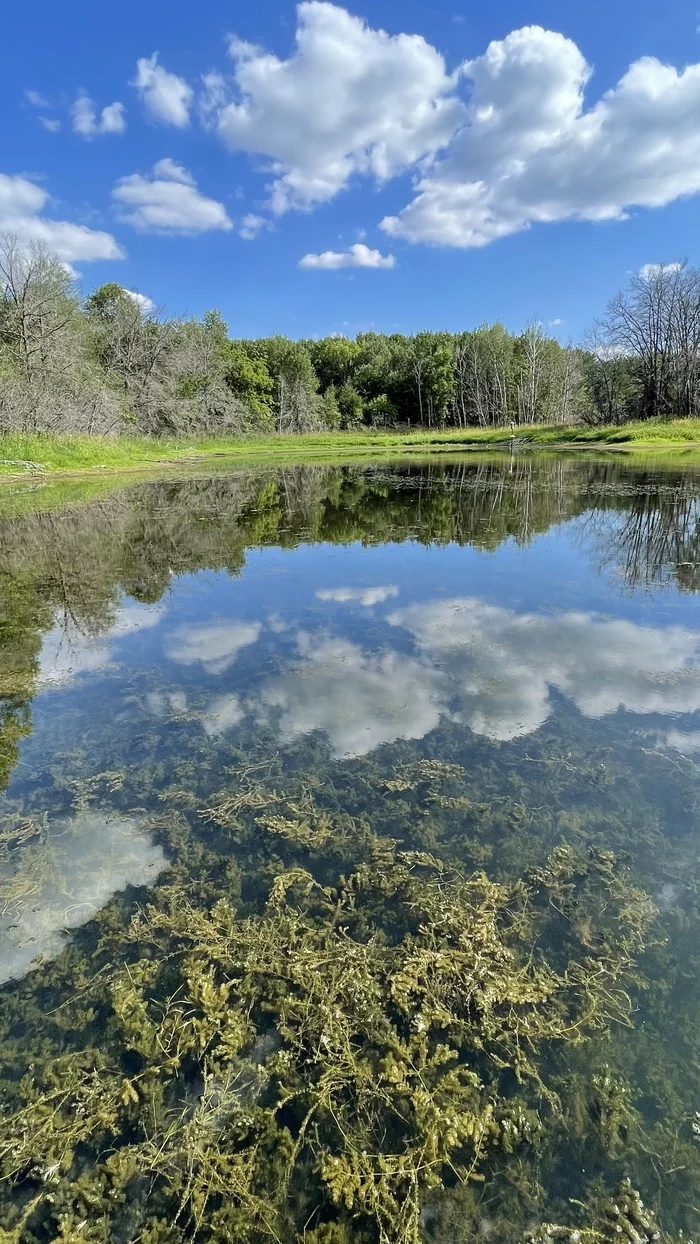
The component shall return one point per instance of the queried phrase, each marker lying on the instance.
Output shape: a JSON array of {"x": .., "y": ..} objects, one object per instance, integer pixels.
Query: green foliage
[
  {"x": 350, "y": 406},
  {"x": 331, "y": 410},
  {"x": 249, "y": 379},
  {"x": 108, "y": 301},
  {"x": 381, "y": 411}
]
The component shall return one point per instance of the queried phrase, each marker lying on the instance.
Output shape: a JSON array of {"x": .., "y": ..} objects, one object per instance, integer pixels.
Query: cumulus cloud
[
  {"x": 216, "y": 647},
  {"x": 651, "y": 270},
  {"x": 67, "y": 651},
  {"x": 502, "y": 664},
  {"x": 348, "y": 100},
  {"x": 357, "y": 256},
  {"x": 145, "y": 303},
  {"x": 167, "y": 201},
  {"x": 70, "y": 874},
  {"x": 364, "y": 595},
  {"x": 511, "y": 138},
  {"x": 531, "y": 151},
  {"x": 22, "y": 205},
  {"x": 359, "y": 701},
  {"x": 165, "y": 96},
  {"x": 112, "y": 119}
]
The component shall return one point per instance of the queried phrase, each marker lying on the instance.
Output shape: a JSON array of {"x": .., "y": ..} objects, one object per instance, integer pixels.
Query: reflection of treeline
[
  {"x": 657, "y": 539},
  {"x": 73, "y": 565},
  {"x": 82, "y": 556},
  {"x": 109, "y": 364}
]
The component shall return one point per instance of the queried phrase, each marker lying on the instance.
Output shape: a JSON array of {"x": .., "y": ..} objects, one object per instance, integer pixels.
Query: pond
[{"x": 350, "y": 854}]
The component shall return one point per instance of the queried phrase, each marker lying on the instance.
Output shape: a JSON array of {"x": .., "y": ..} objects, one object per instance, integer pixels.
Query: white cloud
[
  {"x": 503, "y": 664},
  {"x": 359, "y": 701},
  {"x": 52, "y": 124},
  {"x": 146, "y": 304},
  {"x": 37, "y": 100},
  {"x": 67, "y": 651},
  {"x": 168, "y": 201},
  {"x": 251, "y": 226},
  {"x": 349, "y": 100},
  {"x": 165, "y": 96},
  {"x": 86, "y": 122},
  {"x": 511, "y": 138},
  {"x": 69, "y": 874},
  {"x": 357, "y": 256},
  {"x": 532, "y": 152},
  {"x": 365, "y": 595},
  {"x": 21, "y": 206},
  {"x": 216, "y": 647},
  {"x": 651, "y": 270},
  {"x": 215, "y": 94}
]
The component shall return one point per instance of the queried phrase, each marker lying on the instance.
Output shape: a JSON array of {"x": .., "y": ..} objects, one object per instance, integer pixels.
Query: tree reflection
[{"x": 71, "y": 566}]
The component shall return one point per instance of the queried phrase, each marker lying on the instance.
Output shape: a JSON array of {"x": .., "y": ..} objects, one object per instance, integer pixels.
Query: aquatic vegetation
[
  {"x": 329, "y": 1058},
  {"x": 621, "y": 1217},
  {"x": 419, "y": 995}
]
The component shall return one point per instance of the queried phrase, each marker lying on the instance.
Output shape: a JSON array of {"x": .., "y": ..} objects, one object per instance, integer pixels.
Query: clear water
[{"x": 534, "y": 621}]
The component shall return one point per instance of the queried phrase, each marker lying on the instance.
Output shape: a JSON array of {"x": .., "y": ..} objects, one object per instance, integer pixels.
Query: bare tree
[
  {"x": 641, "y": 323},
  {"x": 567, "y": 385},
  {"x": 532, "y": 374},
  {"x": 47, "y": 380},
  {"x": 685, "y": 342},
  {"x": 39, "y": 308}
]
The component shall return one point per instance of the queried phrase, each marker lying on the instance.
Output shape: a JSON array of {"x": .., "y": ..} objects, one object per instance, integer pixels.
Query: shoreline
[{"x": 131, "y": 458}]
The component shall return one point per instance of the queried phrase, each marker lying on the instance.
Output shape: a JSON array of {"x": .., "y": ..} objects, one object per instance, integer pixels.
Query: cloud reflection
[
  {"x": 359, "y": 700},
  {"x": 366, "y": 596},
  {"x": 492, "y": 668},
  {"x": 216, "y": 647},
  {"x": 685, "y": 741},
  {"x": 503, "y": 664},
  {"x": 67, "y": 651},
  {"x": 62, "y": 881}
]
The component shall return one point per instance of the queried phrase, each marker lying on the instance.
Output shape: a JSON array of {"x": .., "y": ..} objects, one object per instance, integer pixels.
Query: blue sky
[{"x": 557, "y": 149}]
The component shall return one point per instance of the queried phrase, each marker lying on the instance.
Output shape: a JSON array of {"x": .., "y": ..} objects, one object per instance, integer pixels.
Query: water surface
[{"x": 316, "y": 635}]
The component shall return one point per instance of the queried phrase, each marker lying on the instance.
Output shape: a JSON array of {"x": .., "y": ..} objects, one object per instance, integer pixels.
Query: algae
[{"x": 447, "y": 991}]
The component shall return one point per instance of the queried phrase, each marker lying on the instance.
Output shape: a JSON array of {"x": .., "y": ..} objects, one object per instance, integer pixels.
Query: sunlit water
[{"x": 534, "y": 621}]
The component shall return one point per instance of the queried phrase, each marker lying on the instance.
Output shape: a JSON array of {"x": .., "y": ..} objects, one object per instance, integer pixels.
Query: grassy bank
[{"x": 30, "y": 454}]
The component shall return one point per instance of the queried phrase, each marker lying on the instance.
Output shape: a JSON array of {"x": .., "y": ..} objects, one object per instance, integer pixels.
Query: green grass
[{"x": 80, "y": 454}]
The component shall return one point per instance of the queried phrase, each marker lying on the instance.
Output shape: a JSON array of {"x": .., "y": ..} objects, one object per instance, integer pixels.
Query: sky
[{"x": 387, "y": 167}]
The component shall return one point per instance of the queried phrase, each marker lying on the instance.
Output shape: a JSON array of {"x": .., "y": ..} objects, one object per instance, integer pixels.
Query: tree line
[{"x": 109, "y": 364}]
